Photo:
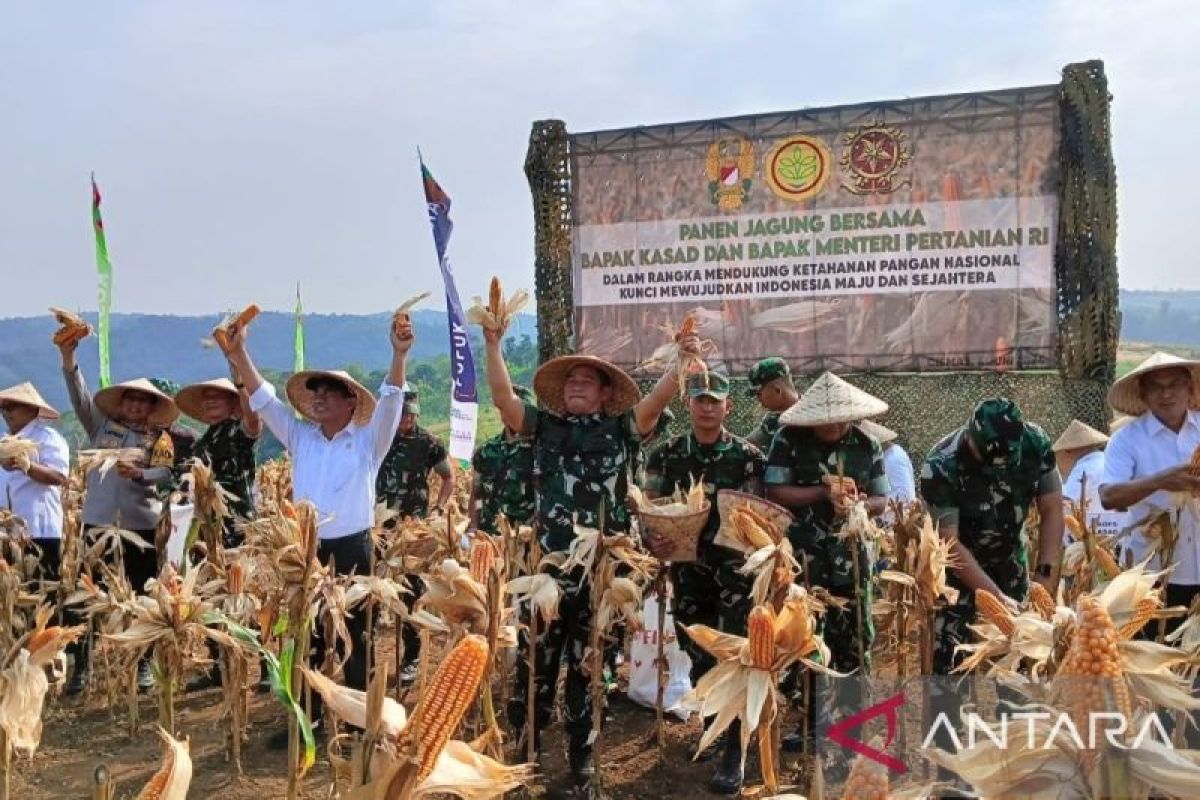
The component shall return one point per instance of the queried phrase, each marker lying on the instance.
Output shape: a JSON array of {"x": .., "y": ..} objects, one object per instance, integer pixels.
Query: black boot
[
  {"x": 264, "y": 677},
  {"x": 729, "y": 774},
  {"x": 580, "y": 760},
  {"x": 145, "y": 676},
  {"x": 79, "y": 652}
]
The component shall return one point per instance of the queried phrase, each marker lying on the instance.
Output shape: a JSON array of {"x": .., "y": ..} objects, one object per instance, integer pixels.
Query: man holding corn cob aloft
[
  {"x": 819, "y": 465},
  {"x": 1152, "y": 465},
  {"x": 592, "y": 416},
  {"x": 709, "y": 591},
  {"x": 336, "y": 451},
  {"x": 502, "y": 481},
  {"x": 770, "y": 384},
  {"x": 979, "y": 483}
]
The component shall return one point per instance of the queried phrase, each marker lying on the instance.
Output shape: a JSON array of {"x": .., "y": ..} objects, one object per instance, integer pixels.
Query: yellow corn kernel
[
  {"x": 446, "y": 700},
  {"x": 1095, "y": 678},
  {"x": 483, "y": 560},
  {"x": 1143, "y": 612},
  {"x": 1106, "y": 562},
  {"x": 749, "y": 529},
  {"x": 761, "y": 626},
  {"x": 991, "y": 610},
  {"x": 1042, "y": 602},
  {"x": 867, "y": 781}
]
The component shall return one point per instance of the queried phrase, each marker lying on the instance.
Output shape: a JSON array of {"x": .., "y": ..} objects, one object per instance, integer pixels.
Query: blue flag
[{"x": 464, "y": 401}]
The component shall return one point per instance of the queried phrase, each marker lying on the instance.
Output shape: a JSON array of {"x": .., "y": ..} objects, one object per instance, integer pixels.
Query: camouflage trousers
[
  {"x": 565, "y": 639},
  {"x": 712, "y": 595}
]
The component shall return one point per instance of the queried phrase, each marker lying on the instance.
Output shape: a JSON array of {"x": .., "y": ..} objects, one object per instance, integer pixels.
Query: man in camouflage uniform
[
  {"x": 979, "y": 483},
  {"x": 503, "y": 478},
  {"x": 820, "y": 464},
  {"x": 639, "y": 457},
  {"x": 592, "y": 418},
  {"x": 402, "y": 485},
  {"x": 709, "y": 591},
  {"x": 403, "y": 481},
  {"x": 770, "y": 384}
]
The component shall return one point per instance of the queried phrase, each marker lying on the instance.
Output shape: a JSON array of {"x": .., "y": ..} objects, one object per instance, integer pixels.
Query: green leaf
[{"x": 798, "y": 167}]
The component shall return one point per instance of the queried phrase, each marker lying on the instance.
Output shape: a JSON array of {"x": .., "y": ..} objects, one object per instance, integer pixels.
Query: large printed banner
[{"x": 913, "y": 235}]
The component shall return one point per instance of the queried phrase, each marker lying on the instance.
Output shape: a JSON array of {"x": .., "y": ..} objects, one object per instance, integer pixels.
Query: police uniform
[
  {"x": 708, "y": 591},
  {"x": 987, "y": 502}
]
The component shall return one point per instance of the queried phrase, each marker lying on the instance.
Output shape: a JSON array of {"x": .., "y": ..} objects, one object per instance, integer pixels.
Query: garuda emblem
[{"x": 729, "y": 166}]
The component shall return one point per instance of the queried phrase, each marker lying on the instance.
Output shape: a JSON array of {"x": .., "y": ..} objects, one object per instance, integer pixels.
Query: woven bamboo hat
[
  {"x": 301, "y": 396},
  {"x": 829, "y": 401},
  {"x": 191, "y": 398},
  {"x": 165, "y": 411},
  {"x": 1125, "y": 394},
  {"x": 880, "y": 433},
  {"x": 27, "y": 395},
  {"x": 550, "y": 378},
  {"x": 1077, "y": 435}
]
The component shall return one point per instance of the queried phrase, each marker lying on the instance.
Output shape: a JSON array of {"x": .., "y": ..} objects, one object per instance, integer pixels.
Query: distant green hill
[
  {"x": 169, "y": 346},
  {"x": 1167, "y": 317}
]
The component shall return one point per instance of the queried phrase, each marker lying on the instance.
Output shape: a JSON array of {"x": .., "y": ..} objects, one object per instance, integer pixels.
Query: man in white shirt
[
  {"x": 336, "y": 451},
  {"x": 897, "y": 466},
  {"x": 1080, "y": 455},
  {"x": 1146, "y": 465}
]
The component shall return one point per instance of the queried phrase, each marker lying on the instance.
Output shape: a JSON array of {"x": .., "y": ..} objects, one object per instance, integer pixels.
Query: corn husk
[
  {"x": 19, "y": 449},
  {"x": 497, "y": 312},
  {"x": 23, "y": 681},
  {"x": 71, "y": 328},
  {"x": 102, "y": 460},
  {"x": 172, "y": 780},
  {"x": 401, "y": 319}
]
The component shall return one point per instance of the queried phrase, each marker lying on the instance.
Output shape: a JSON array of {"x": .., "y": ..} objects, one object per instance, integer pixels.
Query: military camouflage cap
[
  {"x": 412, "y": 403},
  {"x": 766, "y": 371},
  {"x": 997, "y": 428},
  {"x": 708, "y": 384}
]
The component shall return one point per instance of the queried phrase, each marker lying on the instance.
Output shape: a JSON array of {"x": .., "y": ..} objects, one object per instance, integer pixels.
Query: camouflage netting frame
[{"x": 926, "y": 405}]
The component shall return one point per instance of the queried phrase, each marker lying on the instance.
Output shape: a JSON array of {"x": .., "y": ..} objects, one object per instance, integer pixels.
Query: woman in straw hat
[
  {"x": 820, "y": 464},
  {"x": 1150, "y": 465},
  {"x": 336, "y": 451},
  {"x": 592, "y": 418},
  {"x": 135, "y": 415}
]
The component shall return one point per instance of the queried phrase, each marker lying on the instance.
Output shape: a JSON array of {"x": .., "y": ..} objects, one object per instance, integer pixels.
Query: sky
[{"x": 245, "y": 146}]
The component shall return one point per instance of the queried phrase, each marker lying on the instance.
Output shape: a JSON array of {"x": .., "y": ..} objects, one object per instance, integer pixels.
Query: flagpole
[{"x": 298, "y": 344}]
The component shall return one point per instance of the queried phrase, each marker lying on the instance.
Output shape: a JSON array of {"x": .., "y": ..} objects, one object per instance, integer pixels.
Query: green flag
[
  {"x": 298, "y": 364},
  {"x": 104, "y": 274}
]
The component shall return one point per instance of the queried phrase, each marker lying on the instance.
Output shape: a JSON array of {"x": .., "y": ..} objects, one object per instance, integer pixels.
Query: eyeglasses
[{"x": 1158, "y": 388}]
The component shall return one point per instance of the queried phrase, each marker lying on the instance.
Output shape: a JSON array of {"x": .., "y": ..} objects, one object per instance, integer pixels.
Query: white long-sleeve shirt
[
  {"x": 1143, "y": 448},
  {"x": 36, "y": 503},
  {"x": 336, "y": 475},
  {"x": 899, "y": 470}
]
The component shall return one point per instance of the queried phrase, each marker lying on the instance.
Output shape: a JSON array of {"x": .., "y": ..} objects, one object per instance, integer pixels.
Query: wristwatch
[{"x": 1045, "y": 570}]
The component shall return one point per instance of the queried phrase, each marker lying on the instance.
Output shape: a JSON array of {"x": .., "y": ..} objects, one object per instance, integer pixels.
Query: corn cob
[
  {"x": 992, "y": 610},
  {"x": 483, "y": 560},
  {"x": 1042, "y": 602},
  {"x": 236, "y": 579},
  {"x": 495, "y": 296},
  {"x": 1143, "y": 612},
  {"x": 1106, "y": 562},
  {"x": 687, "y": 328},
  {"x": 761, "y": 626},
  {"x": 866, "y": 781},
  {"x": 447, "y": 699},
  {"x": 173, "y": 778},
  {"x": 222, "y": 332},
  {"x": 759, "y": 518},
  {"x": 72, "y": 327},
  {"x": 1074, "y": 527},
  {"x": 749, "y": 530},
  {"x": 1095, "y": 680}
]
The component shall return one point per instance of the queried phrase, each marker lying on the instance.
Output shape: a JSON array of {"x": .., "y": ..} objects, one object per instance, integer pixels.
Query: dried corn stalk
[
  {"x": 23, "y": 682},
  {"x": 497, "y": 313}
]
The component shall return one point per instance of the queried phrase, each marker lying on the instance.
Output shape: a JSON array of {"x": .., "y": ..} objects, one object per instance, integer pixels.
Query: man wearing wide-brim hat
[
  {"x": 592, "y": 417},
  {"x": 31, "y": 487},
  {"x": 710, "y": 590},
  {"x": 771, "y": 385},
  {"x": 821, "y": 464},
  {"x": 1150, "y": 465},
  {"x": 336, "y": 451},
  {"x": 134, "y": 414},
  {"x": 1080, "y": 455},
  {"x": 979, "y": 483}
]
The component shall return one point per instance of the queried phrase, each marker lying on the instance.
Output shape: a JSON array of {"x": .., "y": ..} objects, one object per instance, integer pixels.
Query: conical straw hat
[
  {"x": 880, "y": 433},
  {"x": 550, "y": 377},
  {"x": 191, "y": 398},
  {"x": 829, "y": 401},
  {"x": 165, "y": 411},
  {"x": 301, "y": 397},
  {"x": 1077, "y": 435},
  {"x": 1125, "y": 395},
  {"x": 26, "y": 394}
]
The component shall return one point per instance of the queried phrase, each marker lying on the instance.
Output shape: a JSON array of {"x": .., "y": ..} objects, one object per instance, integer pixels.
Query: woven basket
[
  {"x": 681, "y": 530},
  {"x": 727, "y": 499}
]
